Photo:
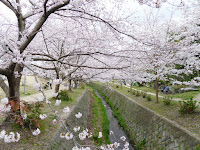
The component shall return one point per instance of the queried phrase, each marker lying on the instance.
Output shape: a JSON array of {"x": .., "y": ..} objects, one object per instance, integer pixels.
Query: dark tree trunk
[
  {"x": 70, "y": 85},
  {"x": 57, "y": 87},
  {"x": 156, "y": 90},
  {"x": 14, "y": 98},
  {"x": 4, "y": 87},
  {"x": 131, "y": 87},
  {"x": 75, "y": 84}
]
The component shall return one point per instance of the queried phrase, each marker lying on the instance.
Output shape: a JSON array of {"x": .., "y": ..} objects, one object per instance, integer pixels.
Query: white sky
[{"x": 129, "y": 8}]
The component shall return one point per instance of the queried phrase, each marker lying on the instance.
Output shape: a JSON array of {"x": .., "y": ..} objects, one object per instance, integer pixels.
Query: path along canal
[{"x": 115, "y": 127}]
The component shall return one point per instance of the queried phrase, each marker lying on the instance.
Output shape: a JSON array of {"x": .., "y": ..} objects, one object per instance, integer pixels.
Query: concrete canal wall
[{"x": 160, "y": 133}]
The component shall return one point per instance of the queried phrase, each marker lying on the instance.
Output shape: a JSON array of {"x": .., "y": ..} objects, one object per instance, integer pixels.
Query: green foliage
[
  {"x": 137, "y": 93},
  {"x": 197, "y": 147},
  {"x": 116, "y": 113},
  {"x": 33, "y": 120},
  {"x": 100, "y": 116},
  {"x": 144, "y": 94},
  {"x": 27, "y": 93},
  {"x": 167, "y": 100},
  {"x": 140, "y": 145},
  {"x": 149, "y": 98},
  {"x": 134, "y": 92},
  {"x": 63, "y": 95},
  {"x": 83, "y": 86},
  {"x": 188, "y": 107}
]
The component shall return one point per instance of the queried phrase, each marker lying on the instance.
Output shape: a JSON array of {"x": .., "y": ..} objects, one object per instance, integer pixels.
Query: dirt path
[
  {"x": 197, "y": 97},
  {"x": 175, "y": 99},
  {"x": 48, "y": 93}
]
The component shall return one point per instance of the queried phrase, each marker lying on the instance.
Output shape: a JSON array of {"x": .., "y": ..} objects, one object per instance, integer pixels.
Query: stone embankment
[
  {"x": 143, "y": 123},
  {"x": 71, "y": 121}
]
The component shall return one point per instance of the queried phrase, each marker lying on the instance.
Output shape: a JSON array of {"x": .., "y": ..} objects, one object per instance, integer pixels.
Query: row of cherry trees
[
  {"x": 70, "y": 40},
  {"x": 167, "y": 44}
]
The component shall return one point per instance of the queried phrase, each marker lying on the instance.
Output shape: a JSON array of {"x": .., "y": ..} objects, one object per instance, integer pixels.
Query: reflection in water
[{"x": 115, "y": 127}]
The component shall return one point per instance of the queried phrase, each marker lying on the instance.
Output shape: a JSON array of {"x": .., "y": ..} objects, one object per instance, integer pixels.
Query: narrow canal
[{"x": 118, "y": 131}]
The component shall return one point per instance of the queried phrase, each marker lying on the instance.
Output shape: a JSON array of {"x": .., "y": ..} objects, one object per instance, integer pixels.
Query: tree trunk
[
  {"x": 14, "y": 98},
  {"x": 131, "y": 87},
  {"x": 70, "y": 85},
  {"x": 75, "y": 84},
  {"x": 4, "y": 87},
  {"x": 57, "y": 87},
  {"x": 156, "y": 90}
]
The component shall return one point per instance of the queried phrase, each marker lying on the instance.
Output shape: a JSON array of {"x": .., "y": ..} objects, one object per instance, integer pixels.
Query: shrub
[
  {"x": 167, "y": 100},
  {"x": 141, "y": 144},
  {"x": 137, "y": 93},
  {"x": 188, "y": 107},
  {"x": 83, "y": 86},
  {"x": 63, "y": 95},
  {"x": 144, "y": 94},
  {"x": 149, "y": 97},
  {"x": 32, "y": 120},
  {"x": 134, "y": 92}
]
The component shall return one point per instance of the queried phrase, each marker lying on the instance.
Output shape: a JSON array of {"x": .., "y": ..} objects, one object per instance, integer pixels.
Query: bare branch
[
  {"x": 10, "y": 6},
  {"x": 45, "y": 68},
  {"x": 40, "y": 23},
  {"x": 4, "y": 71},
  {"x": 4, "y": 86},
  {"x": 45, "y": 7}
]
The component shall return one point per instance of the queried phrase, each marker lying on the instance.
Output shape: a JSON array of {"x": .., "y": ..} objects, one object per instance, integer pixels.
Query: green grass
[
  {"x": 118, "y": 116},
  {"x": 189, "y": 121},
  {"x": 73, "y": 95},
  {"x": 183, "y": 96},
  {"x": 100, "y": 121},
  {"x": 48, "y": 130}
]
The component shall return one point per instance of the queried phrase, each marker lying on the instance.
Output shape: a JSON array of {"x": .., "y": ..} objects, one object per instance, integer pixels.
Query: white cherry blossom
[
  {"x": 78, "y": 115},
  {"x": 36, "y": 132}
]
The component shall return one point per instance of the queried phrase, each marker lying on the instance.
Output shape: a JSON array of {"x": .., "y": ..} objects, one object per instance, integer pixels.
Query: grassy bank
[
  {"x": 48, "y": 129},
  {"x": 119, "y": 117},
  {"x": 189, "y": 121},
  {"x": 99, "y": 120},
  {"x": 183, "y": 96}
]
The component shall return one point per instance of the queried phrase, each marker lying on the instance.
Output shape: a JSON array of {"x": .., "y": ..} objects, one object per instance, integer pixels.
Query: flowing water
[{"x": 115, "y": 127}]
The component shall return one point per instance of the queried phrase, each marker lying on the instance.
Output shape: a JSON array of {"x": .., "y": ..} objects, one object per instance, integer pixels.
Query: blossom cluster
[
  {"x": 84, "y": 134},
  {"x": 36, "y": 132},
  {"x": 82, "y": 148},
  {"x": 11, "y": 137},
  {"x": 5, "y": 107},
  {"x": 57, "y": 81},
  {"x": 43, "y": 116},
  {"x": 114, "y": 145}
]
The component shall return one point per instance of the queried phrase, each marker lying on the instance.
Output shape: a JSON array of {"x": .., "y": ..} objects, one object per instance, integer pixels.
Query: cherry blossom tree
[{"x": 16, "y": 50}]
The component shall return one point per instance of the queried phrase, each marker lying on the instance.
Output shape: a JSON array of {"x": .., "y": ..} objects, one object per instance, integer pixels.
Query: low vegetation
[
  {"x": 63, "y": 95},
  {"x": 48, "y": 129},
  {"x": 188, "y": 107},
  {"x": 100, "y": 122},
  {"x": 118, "y": 116},
  {"x": 167, "y": 100},
  {"x": 171, "y": 111}
]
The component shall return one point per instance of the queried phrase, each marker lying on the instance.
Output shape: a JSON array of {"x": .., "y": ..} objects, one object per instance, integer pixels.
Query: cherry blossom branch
[{"x": 10, "y": 6}]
